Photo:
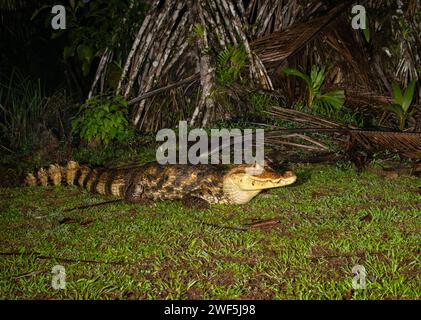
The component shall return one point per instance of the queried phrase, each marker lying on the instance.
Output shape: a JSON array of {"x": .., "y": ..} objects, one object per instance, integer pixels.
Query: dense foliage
[{"x": 103, "y": 119}]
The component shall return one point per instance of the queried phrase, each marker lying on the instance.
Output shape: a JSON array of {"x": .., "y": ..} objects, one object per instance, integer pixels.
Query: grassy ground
[{"x": 329, "y": 221}]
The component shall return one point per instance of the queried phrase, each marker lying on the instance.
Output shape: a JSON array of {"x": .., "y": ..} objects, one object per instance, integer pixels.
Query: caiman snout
[
  {"x": 288, "y": 174},
  {"x": 288, "y": 177}
]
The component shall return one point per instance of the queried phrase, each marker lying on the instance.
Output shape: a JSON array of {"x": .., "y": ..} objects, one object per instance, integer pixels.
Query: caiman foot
[{"x": 195, "y": 203}]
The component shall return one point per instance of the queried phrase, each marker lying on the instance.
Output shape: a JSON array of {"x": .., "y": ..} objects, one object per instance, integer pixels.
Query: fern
[
  {"x": 199, "y": 30},
  {"x": 230, "y": 62}
]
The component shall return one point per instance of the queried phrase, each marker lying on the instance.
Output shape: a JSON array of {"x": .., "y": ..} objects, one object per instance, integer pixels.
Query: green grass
[{"x": 329, "y": 221}]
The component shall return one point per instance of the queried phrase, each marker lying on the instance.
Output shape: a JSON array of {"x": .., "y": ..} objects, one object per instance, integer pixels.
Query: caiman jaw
[
  {"x": 287, "y": 178},
  {"x": 241, "y": 187},
  {"x": 274, "y": 180}
]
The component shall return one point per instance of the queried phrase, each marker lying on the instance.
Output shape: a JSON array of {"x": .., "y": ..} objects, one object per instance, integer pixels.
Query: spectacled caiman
[{"x": 196, "y": 185}]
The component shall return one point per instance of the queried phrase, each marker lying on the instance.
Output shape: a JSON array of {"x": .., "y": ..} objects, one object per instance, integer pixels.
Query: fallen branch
[
  {"x": 7, "y": 149},
  {"x": 38, "y": 255},
  {"x": 222, "y": 227},
  {"x": 92, "y": 205},
  {"x": 263, "y": 223},
  {"x": 166, "y": 88}
]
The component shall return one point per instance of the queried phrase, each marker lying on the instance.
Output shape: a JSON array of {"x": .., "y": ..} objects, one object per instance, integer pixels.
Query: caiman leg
[
  {"x": 195, "y": 202},
  {"x": 134, "y": 194}
]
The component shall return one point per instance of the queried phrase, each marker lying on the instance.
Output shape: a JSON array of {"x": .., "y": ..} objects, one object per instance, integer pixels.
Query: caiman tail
[{"x": 95, "y": 180}]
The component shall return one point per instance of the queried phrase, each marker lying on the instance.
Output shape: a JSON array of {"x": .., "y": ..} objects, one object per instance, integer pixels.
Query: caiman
[{"x": 196, "y": 185}]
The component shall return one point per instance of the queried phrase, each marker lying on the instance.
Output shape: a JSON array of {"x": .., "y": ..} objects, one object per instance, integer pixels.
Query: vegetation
[
  {"x": 230, "y": 62},
  {"x": 326, "y": 103},
  {"x": 103, "y": 119},
  {"x": 402, "y": 102},
  {"x": 22, "y": 111},
  {"x": 260, "y": 102}
]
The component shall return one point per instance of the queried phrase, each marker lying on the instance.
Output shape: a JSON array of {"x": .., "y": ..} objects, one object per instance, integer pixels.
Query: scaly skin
[{"x": 198, "y": 184}]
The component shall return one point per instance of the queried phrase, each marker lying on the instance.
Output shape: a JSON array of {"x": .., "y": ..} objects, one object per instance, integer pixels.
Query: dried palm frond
[
  {"x": 303, "y": 118},
  {"x": 277, "y": 46},
  {"x": 407, "y": 144}
]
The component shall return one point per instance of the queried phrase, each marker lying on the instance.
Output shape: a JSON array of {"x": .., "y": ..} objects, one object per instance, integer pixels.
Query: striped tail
[{"x": 102, "y": 181}]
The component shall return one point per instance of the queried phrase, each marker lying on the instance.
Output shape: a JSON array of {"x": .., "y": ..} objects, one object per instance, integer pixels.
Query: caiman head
[{"x": 245, "y": 181}]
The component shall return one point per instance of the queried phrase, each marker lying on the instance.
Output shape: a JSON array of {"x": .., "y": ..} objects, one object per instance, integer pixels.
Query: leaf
[
  {"x": 336, "y": 98},
  {"x": 366, "y": 31},
  {"x": 408, "y": 96},
  {"x": 35, "y": 14},
  {"x": 317, "y": 77},
  {"x": 68, "y": 51},
  {"x": 397, "y": 93},
  {"x": 412, "y": 112},
  {"x": 85, "y": 52},
  {"x": 103, "y": 118},
  {"x": 113, "y": 132},
  {"x": 86, "y": 67},
  {"x": 57, "y": 34},
  {"x": 230, "y": 62},
  {"x": 224, "y": 56},
  {"x": 199, "y": 30},
  {"x": 395, "y": 108},
  {"x": 295, "y": 72}
]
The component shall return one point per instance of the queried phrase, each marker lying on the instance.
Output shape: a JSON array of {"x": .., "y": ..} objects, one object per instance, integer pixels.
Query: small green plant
[
  {"x": 199, "y": 30},
  {"x": 261, "y": 101},
  {"x": 230, "y": 62},
  {"x": 366, "y": 31},
  {"x": 401, "y": 102},
  {"x": 22, "y": 107},
  {"x": 103, "y": 119},
  {"x": 405, "y": 28},
  {"x": 321, "y": 102}
]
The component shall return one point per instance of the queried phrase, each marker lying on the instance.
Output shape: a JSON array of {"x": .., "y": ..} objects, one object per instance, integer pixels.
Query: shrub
[
  {"x": 401, "y": 102},
  {"x": 22, "y": 106},
  {"x": 321, "y": 102},
  {"x": 103, "y": 119},
  {"x": 230, "y": 62}
]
